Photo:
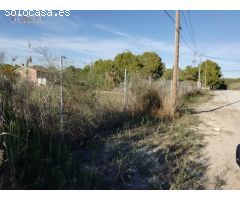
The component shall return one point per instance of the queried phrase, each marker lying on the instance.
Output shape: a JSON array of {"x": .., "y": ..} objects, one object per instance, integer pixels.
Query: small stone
[{"x": 217, "y": 129}]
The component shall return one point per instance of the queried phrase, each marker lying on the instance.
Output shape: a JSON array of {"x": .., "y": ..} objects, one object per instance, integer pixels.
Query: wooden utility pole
[{"x": 176, "y": 60}]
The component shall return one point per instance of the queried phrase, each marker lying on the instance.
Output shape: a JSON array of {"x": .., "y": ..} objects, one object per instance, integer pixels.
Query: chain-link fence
[{"x": 137, "y": 92}]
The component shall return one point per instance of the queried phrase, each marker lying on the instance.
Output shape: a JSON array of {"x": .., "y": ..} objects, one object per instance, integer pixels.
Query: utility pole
[
  {"x": 176, "y": 60},
  {"x": 199, "y": 72},
  {"x": 61, "y": 96}
]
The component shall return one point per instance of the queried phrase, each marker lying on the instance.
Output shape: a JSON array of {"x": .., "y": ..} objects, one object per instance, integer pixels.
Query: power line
[
  {"x": 76, "y": 59},
  {"x": 194, "y": 42},
  {"x": 181, "y": 37},
  {"x": 189, "y": 32},
  {"x": 176, "y": 62},
  {"x": 190, "y": 21},
  {"x": 78, "y": 62},
  {"x": 184, "y": 41},
  {"x": 223, "y": 59},
  {"x": 169, "y": 16}
]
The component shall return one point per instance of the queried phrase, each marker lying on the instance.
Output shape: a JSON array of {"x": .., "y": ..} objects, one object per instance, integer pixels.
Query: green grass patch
[{"x": 197, "y": 97}]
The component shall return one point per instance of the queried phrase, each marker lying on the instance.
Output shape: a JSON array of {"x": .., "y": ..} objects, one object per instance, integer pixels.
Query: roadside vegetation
[
  {"x": 232, "y": 83},
  {"x": 104, "y": 146},
  {"x": 197, "y": 97}
]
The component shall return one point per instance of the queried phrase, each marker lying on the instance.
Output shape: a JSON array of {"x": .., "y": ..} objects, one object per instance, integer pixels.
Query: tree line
[
  {"x": 210, "y": 74},
  {"x": 110, "y": 73}
]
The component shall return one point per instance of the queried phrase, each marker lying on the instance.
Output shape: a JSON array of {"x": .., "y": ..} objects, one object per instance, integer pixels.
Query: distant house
[{"x": 34, "y": 74}]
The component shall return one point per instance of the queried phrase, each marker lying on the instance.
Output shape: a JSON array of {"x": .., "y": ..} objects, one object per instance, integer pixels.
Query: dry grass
[
  {"x": 147, "y": 154},
  {"x": 1, "y": 156},
  {"x": 234, "y": 86},
  {"x": 153, "y": 99},
  {"x": 103, "y": 148},
  {"x": 219, "y": 182}
]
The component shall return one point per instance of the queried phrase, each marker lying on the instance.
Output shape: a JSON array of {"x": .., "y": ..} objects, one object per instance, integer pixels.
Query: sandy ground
[{"x": 221, "y": 125}]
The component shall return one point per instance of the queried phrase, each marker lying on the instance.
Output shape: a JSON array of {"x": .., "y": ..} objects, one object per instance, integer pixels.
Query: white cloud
[
  {"x": 87, "y": 48},
  {"x": 95, "y": 48},
  {"x": 110, "y": 29}
]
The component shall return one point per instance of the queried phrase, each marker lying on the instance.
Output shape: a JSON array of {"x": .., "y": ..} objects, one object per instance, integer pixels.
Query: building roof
[
  {"x": 35, "y": 67},
  {"x": 39, "y": 68}
]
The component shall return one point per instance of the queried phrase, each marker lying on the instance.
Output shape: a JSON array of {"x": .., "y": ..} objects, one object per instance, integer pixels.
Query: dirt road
[{"x": 221, "y": 125}]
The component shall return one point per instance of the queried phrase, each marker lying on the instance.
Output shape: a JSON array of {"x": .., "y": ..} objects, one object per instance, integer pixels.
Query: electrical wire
[
  {"x": 191, "y": 27},
  {"x": 189, "y": 31},
  {"x": 181, "y": 37},
  {"x": 169, "y": 16},
  {"x": 223, "y": 59}
]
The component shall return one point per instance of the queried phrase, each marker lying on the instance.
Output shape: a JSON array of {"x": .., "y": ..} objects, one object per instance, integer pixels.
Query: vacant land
[
  {"x": 151, "y": 154},
  {"x": 103, "y": 146}
]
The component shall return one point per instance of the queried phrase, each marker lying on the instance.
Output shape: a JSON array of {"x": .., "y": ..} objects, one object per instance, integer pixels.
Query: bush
[{"x": 144, "y": 98}]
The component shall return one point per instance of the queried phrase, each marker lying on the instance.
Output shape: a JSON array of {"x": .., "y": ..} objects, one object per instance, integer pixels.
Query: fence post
[
  {"x": 61, "y": 98},
  {"x": 125, "y": 93},
  {"x": 150, "y": 79}
]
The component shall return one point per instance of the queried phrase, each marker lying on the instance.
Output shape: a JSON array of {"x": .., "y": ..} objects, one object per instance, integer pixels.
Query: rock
[{"x": 217, "y": 129}]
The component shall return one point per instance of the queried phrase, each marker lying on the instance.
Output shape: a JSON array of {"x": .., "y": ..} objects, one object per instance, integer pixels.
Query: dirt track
[{"x": 221, "y": 125}]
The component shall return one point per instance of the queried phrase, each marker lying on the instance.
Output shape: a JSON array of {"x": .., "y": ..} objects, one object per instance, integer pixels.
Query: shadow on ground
[
  {"x": 145, "y": 154},
  {"x": 217, "y": 108}
]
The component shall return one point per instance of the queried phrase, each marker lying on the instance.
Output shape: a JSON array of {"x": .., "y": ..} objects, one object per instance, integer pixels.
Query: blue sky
[{"x": 86, "y": 36}]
